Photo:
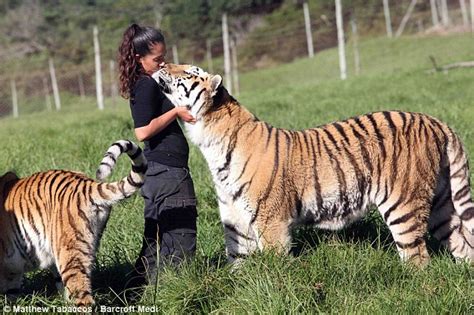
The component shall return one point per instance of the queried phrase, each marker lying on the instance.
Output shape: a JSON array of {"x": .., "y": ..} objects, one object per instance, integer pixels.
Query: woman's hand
[
  {"x": 159, "y": 123},
  {"x": 185, "y": 115}
]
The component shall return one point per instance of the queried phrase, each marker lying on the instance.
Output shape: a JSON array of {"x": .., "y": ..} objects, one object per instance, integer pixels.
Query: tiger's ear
[{"x": 216, "y": 82}]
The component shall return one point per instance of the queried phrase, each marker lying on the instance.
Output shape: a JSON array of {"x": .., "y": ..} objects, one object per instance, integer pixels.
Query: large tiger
[
  {"x": 55, "y": 220},
  {"x": 411, "y": 166}
]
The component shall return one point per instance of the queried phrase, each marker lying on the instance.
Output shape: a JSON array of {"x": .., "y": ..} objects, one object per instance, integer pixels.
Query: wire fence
[{"x": 42, "y": 84}]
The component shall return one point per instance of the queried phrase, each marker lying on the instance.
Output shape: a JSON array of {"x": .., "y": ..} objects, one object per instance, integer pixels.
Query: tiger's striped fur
[
  {"x": 411, "y": 166},
  {"x": 55, "y": 219}
]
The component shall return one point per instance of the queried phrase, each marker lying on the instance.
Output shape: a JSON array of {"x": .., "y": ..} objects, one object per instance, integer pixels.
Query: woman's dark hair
[{"x": 136, "y": 40}]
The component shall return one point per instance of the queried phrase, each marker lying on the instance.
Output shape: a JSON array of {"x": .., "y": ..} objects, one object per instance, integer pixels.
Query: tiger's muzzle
[{"x": 164, "y": 79}]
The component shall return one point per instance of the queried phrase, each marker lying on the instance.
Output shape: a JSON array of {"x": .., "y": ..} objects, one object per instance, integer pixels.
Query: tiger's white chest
[
  {"x": 195, "y": 132},
  {"x": 215, "y": 153},
  {"x": 212, "y": 148}
]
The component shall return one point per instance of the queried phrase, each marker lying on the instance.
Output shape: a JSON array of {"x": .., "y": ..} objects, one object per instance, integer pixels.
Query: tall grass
[{"x": 356, "y": 270}]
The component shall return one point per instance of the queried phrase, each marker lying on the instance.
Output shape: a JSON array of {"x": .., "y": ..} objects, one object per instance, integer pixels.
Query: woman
[{"x": 170, "y": 201}]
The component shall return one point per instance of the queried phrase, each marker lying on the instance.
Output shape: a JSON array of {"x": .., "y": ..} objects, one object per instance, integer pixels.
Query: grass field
[{"x": 356, "y": 270}]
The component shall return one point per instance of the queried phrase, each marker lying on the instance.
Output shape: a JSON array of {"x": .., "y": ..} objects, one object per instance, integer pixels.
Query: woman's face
[{"x": 155, "y": 59}]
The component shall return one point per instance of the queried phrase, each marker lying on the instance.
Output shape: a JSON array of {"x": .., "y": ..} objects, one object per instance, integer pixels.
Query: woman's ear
[
  {"x": 216, "y": 82},
  {"x": 138, "y": 58}
]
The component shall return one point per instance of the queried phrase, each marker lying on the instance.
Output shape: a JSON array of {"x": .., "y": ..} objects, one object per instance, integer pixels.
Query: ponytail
[{"x": 129, "y": 68}]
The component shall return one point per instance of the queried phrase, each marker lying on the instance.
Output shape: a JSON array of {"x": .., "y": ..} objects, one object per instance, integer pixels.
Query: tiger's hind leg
[
  {"x": 446, "y": 226},
  {"x": 408, "y": 224},
  {"x": 461, "y": 241},
  {"x": 75, "y": 266}
]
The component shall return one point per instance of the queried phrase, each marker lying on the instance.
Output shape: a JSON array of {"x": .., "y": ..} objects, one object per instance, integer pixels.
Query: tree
[{"x": 21, "y": 27}]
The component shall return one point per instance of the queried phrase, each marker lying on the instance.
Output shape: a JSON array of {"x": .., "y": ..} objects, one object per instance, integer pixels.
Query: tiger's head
[
  {"x": 6, "y": 181},
  {"x": 190, "y": 86}
]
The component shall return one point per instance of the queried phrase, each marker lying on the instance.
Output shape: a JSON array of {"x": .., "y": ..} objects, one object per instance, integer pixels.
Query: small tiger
[
  {"x": 411, "y": 166},
  {"x": 55, "y": 220}
]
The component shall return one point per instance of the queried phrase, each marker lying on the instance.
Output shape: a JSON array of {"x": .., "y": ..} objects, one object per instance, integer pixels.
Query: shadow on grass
[
  {"x": 39, "y": 283},
  {"x": 371, "y": 229},
  {"x": 107, "y": 284},
  {"x": 110, "y": 283}
]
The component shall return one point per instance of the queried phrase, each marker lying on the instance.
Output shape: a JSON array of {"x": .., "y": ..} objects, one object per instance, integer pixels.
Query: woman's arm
[{"x": 161, "y": 122}]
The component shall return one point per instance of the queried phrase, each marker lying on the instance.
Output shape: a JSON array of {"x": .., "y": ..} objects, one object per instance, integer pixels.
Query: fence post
[
  {"x": 444, "y": 12},
  {"x": 420, "y": 25},
  {"x": 340, "y": 39},
  {"x": 14, "y": 98},
  {"x": 309, "y": 35},
  {"x": 227, "y": 66},
  {"x": 472, "y": 15},
  {"x": 434, "y": 13},
  {"x": 98, "y": 69},
  {"x": 439, "y": 6},
  {"x": 113, "y": 85},
  {"x": 235, "y": 71},
  {"x": 46, "y": 93},
  {"x": 405, "y": 19},
  {"x": 80, "y": 82},
  {"x": 388, "y": 20},
  {"x": 465, "y": 18},
  {"x": 174, "y": 48},
  {"x": 355, "y": 43},
  {"x": 54, "y": 83},
  {"x": 209, "y": 56},
  {"x": 158, "y": 9}
]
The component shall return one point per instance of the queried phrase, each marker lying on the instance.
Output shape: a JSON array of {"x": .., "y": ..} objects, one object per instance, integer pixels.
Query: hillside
[{"x": 60, "y": 28}]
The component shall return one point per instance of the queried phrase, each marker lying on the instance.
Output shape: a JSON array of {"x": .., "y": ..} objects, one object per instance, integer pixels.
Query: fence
[{"x": 56, "y": 84}]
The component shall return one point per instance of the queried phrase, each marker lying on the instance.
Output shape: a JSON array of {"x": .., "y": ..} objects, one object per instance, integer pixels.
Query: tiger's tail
[
  {"x": 124, "y": 188},
  {"x": 461, "y": 240},
  {"x": 460, "y": 182}
]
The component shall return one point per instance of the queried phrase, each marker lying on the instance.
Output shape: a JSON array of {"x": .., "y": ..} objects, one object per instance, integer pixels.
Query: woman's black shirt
[{"x": 147, "y": 102}]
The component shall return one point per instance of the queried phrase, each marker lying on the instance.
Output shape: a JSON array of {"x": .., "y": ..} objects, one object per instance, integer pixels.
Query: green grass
[{"x": 356, "y": 270}]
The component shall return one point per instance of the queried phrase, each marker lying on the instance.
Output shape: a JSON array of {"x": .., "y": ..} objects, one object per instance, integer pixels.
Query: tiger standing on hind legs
[
  {"x": 411, "y": 166},
  {"x": 55, "y": 220}
]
